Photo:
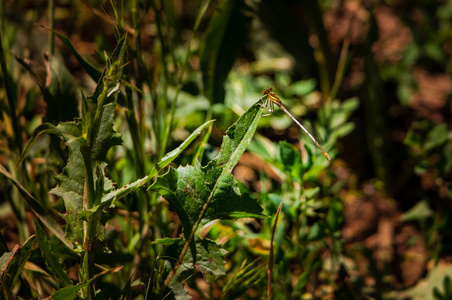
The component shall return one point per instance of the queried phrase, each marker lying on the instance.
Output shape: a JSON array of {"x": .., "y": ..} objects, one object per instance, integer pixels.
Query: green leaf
[
  {"x": 436, "y": 137},
  {"x": 16, "y": 262},
  {"x": 412, "y": 139},
  {"x": 421, "y": 211},
  {"x": 69, "y": 130},
  {"x": 222, "y": 44},
  {"x": 291, "y": 160},
  {"x": 349, "y": 106},
  {"x": 335, "y": 215},
  {"x": 107, "y": 137},
  {"x": 190, "y": 189},
  {"x": 344, "y": 130},
  {"x": 302, "y": 87},
  {"x": 69, "y": 292},
  {"x": 72, "y": 179},
  {"x": 40, "y": 211},
  {"x": 97, "y": 116},
  {"x": 49, "y": 258},
  {"x": 316, "y": 232},
  {"x": 433, "y": 280},
  {"x": 209, "y": 258},
  {"x": 71, "y": 183}
]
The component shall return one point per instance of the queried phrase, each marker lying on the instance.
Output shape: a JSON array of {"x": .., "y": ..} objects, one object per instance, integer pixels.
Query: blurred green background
[{"x": 373, "y": 78}]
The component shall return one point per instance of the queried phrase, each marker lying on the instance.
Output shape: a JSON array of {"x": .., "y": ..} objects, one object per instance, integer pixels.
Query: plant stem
[{"x": 90, "y": 225}]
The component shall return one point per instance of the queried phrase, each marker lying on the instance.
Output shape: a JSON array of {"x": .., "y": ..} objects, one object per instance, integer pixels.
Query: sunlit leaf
[{"x": 188, "y": 189}]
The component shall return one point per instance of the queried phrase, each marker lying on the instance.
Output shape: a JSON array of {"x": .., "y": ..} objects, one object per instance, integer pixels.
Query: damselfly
[{"x": 273, "y": 99}]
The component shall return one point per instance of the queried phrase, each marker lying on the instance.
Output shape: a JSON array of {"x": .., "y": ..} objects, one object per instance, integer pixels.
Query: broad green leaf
[
  {"x": 16, "y": 262},
  {"x": 436, "y": 137},
  {"x": 69, "y": 292},
  {"x": 335, "y": 215},
  {"x": 412, "y": 139},
  {"x": 344, "y": 130},
  {"x": 180, "y": 293},
  {"x": 38, "y": 209},
  {"x": 49, "y": 258},
  {"x": 98, "y": 115},
  {"x": 302, "y": 87},
  {"x": 222, "y": 44},
  {"x": 71, "y": 183},
  {"x": 316, "y": 232},
  {"x": 421, "y": 211},
  {"x": 72, "y": 179},
  {"x": 209, "y": 258},
  {"x": 350, "y": 105},
  {"x": 70, "y": 130},
  {"x": 434, "y": 279},
  {"x": 107, "y": 137},
  {"x": 291, "y": 160},
  {"x": 190, "y": 189}
]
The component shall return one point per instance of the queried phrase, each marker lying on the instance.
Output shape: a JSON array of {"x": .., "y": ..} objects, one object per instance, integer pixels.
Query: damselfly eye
[{"x": 267, "y": 91}]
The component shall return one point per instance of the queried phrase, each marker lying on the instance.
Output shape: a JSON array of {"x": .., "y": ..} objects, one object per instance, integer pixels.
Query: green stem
[
  {"x": 90, "y": 225},
  {"x": 90, "y": 198}
]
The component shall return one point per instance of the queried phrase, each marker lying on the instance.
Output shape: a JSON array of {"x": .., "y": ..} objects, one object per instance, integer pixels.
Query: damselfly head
[{"x": 267, "y": 91}]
